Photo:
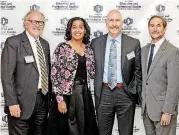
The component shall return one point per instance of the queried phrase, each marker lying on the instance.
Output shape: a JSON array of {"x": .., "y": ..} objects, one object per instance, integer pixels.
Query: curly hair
[{"x": 68, "y": 35}]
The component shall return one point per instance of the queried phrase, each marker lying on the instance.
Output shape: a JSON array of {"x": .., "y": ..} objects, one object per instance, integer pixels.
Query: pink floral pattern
[{"x": 64, "y": 66}]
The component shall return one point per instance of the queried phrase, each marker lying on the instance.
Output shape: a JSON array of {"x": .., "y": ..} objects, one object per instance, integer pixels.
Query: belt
[{"x": 118, "y": 85}]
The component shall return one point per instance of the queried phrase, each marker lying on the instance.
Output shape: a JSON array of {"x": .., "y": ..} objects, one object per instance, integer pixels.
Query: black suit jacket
[
  {"x": 20, "y": 79},
  {"x": 131, "y": 68}
]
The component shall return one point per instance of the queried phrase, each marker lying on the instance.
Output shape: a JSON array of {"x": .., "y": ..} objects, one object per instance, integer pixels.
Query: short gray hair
[
  {"x": 26, "y": 16},
  {"x": 28, "y": 13}
]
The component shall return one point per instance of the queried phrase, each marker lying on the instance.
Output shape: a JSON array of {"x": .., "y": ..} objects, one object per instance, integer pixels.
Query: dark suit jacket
[
  {"x": 20, "y": 79},
  {"x": 131, "y": 69}
]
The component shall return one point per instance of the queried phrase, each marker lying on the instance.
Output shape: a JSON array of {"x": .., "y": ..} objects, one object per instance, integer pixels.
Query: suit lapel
[
  {"x": 103, "y": 50},
  {"x": 157, "y": 57},
  {"x": 145, "y": 58},
  {"x": 28, "y": 48},
  {"x": 123, "y": 49}
]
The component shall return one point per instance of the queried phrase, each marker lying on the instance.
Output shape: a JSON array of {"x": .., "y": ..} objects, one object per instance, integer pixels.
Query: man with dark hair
[
  {"x": 159, "y": 17},
  {"x": 25, "y": 66},
  {"x": 160, "y": 90},
  {"x": 118, "y": 77}
]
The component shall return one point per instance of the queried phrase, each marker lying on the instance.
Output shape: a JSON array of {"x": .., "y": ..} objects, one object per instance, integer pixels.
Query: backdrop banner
[{"x": 136, "y": 14}]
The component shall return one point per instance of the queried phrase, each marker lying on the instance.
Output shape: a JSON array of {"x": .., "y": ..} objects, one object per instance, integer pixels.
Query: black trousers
[
  {"x": 80, "y": 117},
  {"x": 58, "y": 122},
  {"x": 35, "y": 125},
  {"x": 115, "y": 101}
]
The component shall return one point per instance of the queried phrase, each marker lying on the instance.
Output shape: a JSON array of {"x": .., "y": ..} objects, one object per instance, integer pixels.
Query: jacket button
[{"x": 146, "y": 83}]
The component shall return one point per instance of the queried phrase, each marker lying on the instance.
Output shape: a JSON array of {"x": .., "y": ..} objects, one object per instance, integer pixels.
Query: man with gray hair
[{"x": 25, "y": 65}]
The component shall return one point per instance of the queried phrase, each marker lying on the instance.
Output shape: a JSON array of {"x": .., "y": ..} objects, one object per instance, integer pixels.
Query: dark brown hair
[{"x": 163, "y": 20}]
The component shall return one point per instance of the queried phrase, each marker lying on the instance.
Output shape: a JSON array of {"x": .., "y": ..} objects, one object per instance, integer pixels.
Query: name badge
[
  {"x": 29, "y": 59},
  {"x": 130, "y": 55}
]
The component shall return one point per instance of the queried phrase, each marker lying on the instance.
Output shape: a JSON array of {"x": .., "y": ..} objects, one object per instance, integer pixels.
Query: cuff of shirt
[{"x": 59, "y": 99}]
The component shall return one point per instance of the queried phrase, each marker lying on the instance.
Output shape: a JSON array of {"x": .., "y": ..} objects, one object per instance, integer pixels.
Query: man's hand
[
  {"x": 165, "y": 119},
  {"x": 15, "y": 110},
  {"x": 62, "y": 107}
]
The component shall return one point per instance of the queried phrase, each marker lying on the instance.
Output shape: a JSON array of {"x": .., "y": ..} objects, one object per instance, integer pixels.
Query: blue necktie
[
  {"x": 112, "y": 66},
  {"x": 150, "y": 57}
]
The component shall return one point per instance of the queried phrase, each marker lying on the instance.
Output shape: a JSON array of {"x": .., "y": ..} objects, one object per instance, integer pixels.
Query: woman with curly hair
[{"x": 72, "y": 110}]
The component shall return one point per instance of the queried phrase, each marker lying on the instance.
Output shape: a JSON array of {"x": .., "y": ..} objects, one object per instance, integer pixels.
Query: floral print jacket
[{"x": 64, "y": 66}]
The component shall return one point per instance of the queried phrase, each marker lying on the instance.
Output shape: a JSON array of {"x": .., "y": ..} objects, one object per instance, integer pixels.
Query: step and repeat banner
[{"x": 135, "y": 14}]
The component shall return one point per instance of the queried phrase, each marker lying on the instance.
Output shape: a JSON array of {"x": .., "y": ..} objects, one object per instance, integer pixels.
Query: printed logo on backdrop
[
  {"x": 5, "y": 28},
  {"x": 98, "y": 8},
  {"x": 97, "y": 33},
  {"x": 97, "y": 15},
  {"x": 4, "y": 21},
  {"x": 64, "y": 21},
  {"x": 61, "y": 30},
  {"x": 4, "y": 119},
  {"x": 128, "y": 21},
  {"x": 34, "y": 8},
  {"x": 5, "y": 5},
  {"x": 178, "y": 125},
  {"x": 128, "y": 5},
  {"x": 161, "y": 11},
  {"x": 128, "y": 28},
  {"x": 65, "y": 5},
  {"x": 178, "y": 7},
  {"x": 4, "y": 124},
  {"x": 178, "y": 34},
  {"x": 160, "y": 8}
]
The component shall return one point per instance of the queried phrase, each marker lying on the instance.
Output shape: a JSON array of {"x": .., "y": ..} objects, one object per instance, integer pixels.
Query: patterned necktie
[
  {"x": 43, "y": 68},
  {"x": 150, "y": 57},
  {"x": 112, "y": 66}
]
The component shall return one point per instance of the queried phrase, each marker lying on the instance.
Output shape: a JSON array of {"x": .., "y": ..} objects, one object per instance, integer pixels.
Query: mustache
[
  {"x": 155, "y": 32},
  {"x": 114, "y": 27},
  {"x": 158, "y": 37}
]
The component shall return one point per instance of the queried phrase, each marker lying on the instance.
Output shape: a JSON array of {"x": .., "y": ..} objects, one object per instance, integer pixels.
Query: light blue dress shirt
[{"x": 106, "y": 62}]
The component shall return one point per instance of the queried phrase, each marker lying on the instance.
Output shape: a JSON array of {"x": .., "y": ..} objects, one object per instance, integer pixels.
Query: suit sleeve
[
  {"x": 138, "y": 70},
  {"x": 8, "y": 71},
  {"x": 172, "y": 95}
]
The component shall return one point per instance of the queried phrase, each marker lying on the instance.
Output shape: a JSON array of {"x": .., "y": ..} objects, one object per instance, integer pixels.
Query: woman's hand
[{"x": 62, "y": 107}]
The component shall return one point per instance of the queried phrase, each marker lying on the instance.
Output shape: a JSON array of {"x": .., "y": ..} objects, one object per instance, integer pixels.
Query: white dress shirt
[
  {"x": 34, "y": 49},
  {"x": 156, "y": 48}
]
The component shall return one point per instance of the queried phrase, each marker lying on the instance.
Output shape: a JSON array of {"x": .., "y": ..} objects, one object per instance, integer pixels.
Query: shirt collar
[
  {"x": 118, "y": 38},
  {"x": 31, "y": 39},
  {"x": 159, "y": 43}
]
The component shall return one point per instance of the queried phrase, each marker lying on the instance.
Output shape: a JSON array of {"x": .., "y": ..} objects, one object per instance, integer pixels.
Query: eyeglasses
[{"x": 34, "y": 22}]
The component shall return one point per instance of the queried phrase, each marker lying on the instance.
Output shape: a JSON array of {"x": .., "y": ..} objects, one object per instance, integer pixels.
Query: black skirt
[{"x": 80, "y": 118}]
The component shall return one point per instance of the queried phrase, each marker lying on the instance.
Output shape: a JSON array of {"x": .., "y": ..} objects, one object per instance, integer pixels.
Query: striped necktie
[{"x": 43, "y": 68}]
